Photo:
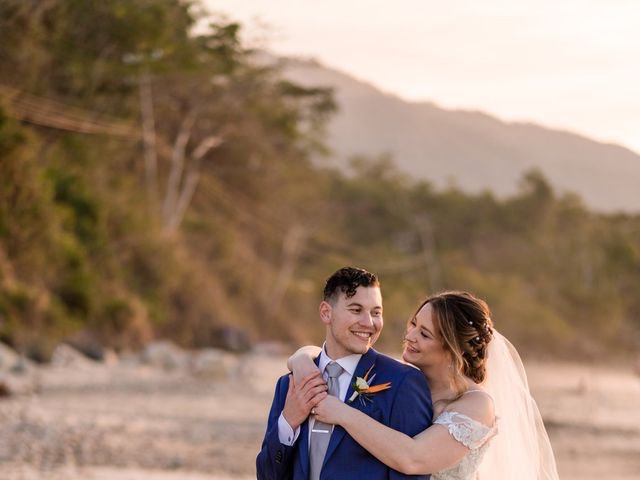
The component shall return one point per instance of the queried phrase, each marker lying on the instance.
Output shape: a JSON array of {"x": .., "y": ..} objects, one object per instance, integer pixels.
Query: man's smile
[{"x": 363, "y": 335}]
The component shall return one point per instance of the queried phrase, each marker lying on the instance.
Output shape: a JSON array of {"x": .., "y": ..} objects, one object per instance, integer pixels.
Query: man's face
[{"x": 354, "y": 323}]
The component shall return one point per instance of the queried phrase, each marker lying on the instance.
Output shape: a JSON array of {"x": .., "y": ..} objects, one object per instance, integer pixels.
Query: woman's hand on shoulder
[{"x": 301, "y": 363}]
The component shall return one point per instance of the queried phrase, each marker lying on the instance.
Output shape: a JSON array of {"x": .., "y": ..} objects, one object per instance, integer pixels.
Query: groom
[{"x": 297, "y": 447}]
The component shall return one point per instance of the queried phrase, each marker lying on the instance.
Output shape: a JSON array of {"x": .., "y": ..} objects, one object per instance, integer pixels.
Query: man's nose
[{"x": 367, "y": 318}]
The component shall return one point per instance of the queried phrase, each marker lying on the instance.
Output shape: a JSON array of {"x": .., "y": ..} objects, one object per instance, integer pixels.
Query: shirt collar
[{"x": 348, "y": 363}]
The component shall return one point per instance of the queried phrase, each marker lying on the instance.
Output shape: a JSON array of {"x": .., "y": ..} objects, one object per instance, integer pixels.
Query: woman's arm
[
  {"x": 430, "y": 451},
  {"x": 301, "y": 362}
]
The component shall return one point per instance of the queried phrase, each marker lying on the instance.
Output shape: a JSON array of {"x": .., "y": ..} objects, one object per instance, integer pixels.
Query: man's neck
[
  {"x": 348, "y": 362},
  {"x": 336, "y": 353}
]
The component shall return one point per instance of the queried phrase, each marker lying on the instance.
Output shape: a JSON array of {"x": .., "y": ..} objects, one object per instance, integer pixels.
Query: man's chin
[{"x": 360, "y": 348}]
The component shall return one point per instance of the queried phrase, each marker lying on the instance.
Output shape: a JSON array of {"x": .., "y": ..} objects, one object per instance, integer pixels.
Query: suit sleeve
[
  {"x": 275, "y": 460},
  {"x": 411, "y": 412}
]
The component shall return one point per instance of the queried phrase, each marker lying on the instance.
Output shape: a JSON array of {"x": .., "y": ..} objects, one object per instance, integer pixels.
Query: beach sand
[{"x": 134, "y": 422}]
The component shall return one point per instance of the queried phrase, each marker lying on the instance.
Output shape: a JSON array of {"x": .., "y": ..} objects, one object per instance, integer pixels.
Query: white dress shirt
[{"x": 286, "y": 434}]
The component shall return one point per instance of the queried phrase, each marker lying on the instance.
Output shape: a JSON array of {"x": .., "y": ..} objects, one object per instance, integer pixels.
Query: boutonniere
[{"x": 363, "y": 389}]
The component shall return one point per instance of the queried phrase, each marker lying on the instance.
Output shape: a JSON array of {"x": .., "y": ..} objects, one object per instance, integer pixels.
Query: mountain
[{"x": 472, "y": 150}]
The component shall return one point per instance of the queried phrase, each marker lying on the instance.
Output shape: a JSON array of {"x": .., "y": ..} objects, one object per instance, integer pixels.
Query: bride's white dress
[
  {"x": 521, "y": 449},
  {"x": 473, "y": 435}
]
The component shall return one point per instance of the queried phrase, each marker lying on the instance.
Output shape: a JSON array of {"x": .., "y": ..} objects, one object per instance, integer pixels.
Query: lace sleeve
[{"x": 471, "y": 433}]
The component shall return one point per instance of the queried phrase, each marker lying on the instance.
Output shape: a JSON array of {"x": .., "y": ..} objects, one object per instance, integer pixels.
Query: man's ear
[{"x": 325, "y": 312}]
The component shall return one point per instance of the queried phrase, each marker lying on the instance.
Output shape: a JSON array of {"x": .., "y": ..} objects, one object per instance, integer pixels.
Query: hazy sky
[{"x": 569, "y": 64}]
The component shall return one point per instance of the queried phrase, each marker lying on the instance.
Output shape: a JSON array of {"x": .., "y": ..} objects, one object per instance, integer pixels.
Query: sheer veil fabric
[{"x": 521, "y": 449}]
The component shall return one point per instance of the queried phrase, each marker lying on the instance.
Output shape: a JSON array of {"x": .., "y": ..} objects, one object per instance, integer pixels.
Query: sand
[{"x": 130, "y": 421}]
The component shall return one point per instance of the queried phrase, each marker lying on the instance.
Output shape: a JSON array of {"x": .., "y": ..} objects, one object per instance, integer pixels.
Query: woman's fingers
[
  {"x": 303, "y": 369},
  {"x": 321, "y": 412}
]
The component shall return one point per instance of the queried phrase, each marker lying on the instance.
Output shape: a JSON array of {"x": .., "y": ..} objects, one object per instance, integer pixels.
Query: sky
[{"x": 567, "y": 64}]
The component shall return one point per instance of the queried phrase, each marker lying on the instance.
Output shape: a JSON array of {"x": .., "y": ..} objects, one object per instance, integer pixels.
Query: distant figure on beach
[
  {"x": 302, "y": 447},
  {"x": 487, "y": 425}
]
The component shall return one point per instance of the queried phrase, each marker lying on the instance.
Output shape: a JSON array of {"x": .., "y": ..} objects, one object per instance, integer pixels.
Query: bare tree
[
  {"x": 291, "y": 247},
  {"x": 177, "y": 166},
  {"x": 184, "y": 167},
  {"x": 176, "y": 214},
  {"x": 428, "y": 244},
  {"x": 149, "y": 139}
]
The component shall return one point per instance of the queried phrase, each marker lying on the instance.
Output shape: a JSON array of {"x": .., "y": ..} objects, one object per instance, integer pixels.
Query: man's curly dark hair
[{"x": 347, "y": 280}]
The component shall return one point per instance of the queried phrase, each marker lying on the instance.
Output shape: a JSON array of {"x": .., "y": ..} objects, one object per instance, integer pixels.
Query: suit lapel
[
  {"x": 338, "y": 434},
  {"x": 304, "y": 441},
  {"x": 304, "y": 448}
]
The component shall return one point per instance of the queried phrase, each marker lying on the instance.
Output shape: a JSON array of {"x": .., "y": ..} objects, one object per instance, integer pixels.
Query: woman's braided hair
[{"x": 465, "y": 326}]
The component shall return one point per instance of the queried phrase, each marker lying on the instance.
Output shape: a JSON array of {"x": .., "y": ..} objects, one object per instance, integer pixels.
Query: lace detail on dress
[{"x": 473, "y": 435}]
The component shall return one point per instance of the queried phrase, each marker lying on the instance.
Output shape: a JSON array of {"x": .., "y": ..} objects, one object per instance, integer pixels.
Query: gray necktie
[{"x": 321, "y": 432}]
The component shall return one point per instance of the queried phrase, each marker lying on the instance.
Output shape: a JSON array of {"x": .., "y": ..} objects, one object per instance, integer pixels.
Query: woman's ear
[{"x": 325, "y": 312}]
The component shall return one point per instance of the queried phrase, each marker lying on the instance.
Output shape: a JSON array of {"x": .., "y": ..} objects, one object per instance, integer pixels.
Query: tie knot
[{"x": 334, "y": 370}]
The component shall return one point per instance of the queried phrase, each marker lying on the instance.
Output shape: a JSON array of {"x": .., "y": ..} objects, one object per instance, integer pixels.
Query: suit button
[{"x": 279, "y": 456}]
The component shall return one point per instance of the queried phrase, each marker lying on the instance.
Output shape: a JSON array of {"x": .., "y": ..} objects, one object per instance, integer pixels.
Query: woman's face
[{"x": 422, "y": 341}]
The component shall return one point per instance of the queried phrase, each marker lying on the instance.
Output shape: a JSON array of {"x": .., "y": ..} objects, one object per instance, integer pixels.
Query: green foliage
[{"x": 82, "y": 250}]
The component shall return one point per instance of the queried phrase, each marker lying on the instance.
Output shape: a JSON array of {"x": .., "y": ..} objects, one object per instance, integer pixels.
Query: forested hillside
[
  {"x": 155, "y": 183},
  {"x": 471, "y": 149}
]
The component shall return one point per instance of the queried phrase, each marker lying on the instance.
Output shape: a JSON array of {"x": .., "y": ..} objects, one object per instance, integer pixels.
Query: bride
[{"x": 486, "y": 426}]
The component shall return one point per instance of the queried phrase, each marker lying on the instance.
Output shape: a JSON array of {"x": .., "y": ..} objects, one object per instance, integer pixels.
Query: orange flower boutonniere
[{"x": 363, "y": 389}]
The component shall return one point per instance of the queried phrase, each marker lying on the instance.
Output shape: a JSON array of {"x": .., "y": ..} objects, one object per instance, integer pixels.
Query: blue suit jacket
[{"x": 406, "y": 407}]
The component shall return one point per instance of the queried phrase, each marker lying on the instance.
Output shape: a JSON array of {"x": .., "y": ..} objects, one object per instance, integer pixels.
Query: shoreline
[{"x": 130, "y": 421}]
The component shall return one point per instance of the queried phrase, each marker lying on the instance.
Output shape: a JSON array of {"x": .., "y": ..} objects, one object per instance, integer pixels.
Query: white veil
[{"x": 521, "y": 449}]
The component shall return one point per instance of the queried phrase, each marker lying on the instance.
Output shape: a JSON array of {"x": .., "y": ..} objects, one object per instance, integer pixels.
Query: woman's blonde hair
[{"x": 465, "y": 327}]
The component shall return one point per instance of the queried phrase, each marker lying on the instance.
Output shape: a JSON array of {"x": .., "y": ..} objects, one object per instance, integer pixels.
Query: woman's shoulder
[
  {"x": 470, "y": 419},
  {"x": 475, "y": 404}
]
